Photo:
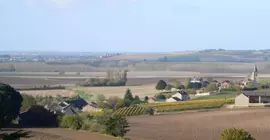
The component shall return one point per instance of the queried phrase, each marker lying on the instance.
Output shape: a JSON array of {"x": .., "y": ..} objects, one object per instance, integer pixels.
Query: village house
[
  {"x": 70, "y": 107},
  {"x": 252, "y": 98},
  {"x": 225, "y": 84},
  {"x": 91, "y": 107},
  {"x": 179, "y": 96}
]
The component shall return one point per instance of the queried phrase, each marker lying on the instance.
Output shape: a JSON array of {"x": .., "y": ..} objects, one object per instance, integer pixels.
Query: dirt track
[{"x": 200, "y": 125}]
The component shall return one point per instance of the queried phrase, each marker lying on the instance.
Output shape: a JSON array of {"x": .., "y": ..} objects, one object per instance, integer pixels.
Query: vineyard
[
  {"x": 174, "y": 106},
  {"x": 131, "y": 111},
  {"x": 189, "y": 105}
]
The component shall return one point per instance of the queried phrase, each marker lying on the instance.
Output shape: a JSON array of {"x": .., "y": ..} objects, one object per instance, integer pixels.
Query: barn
[{"x": 252, "y": 98}]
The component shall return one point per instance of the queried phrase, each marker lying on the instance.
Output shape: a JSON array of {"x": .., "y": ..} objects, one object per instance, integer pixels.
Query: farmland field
[
  {"x": 141, "y": 91},
  {"x": 31, "y": 79},
  {"x": 64, "y": 134},
  {"x": 200, "y": 125},
  {"x": 187, "y": 126}
]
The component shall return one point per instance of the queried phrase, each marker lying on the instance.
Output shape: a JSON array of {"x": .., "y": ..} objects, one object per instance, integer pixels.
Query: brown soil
[
  {"x": 64, "y": 134},
  {"x": 200, "y": 125}
]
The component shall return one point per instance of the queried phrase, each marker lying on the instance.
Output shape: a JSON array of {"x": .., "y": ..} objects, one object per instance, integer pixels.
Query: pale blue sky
[{"x": 134, "y": 25}]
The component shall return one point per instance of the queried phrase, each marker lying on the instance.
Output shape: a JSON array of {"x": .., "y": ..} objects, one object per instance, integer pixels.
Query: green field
[{"x": 217, "y": 96}]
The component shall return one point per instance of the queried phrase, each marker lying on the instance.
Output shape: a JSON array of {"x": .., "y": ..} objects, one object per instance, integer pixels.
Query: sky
[{"x": 133, "y": 25}]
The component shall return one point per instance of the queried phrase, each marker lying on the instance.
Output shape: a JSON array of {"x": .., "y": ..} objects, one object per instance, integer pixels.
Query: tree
[
  {"x": 40, "y": 117},
  {"x": 209, "y": 79},
  {"x": 112, "y": 102},
  {"x": 11, "y": 68},
  {"x": 48, "y": 102},
  {"x": 168, "y": 87},
  {"x": 235, "y": 134},
  {"x": 188, "y": 83},
  {"x": 101, "y": 100},
  {"x": 116, "y": 126},
  {"x": 250, "y": 85},
  {"x": 161, "y": 85},
  {"x": 124, "y": 75},
  {"x": 72, "y": 121},
  {"x": 161, "y": 97},
  {"x": 191, "y": 91},
  {"x": 211, "y": 87},
  {"x": 10, "y": 101},
  {"x": 146, "y": 98},
  {"x": 177, "y": 84},
  {"x": 136, "y": 100},
  {"x": 120, "y": 103},
  {"x": 128, "y": 95},
  {"x": 28, "y": 101}
]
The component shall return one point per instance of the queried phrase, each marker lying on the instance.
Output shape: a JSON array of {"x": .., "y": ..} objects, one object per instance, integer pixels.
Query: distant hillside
[{"x": 219, "y": 56}]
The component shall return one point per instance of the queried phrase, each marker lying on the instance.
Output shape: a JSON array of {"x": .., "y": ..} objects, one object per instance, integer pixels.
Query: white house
[
  {"x": 179, "y": 96},
  {"x": 202, "y": 94}
]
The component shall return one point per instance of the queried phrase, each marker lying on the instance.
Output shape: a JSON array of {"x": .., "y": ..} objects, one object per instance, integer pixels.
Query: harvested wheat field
[
  {"x": 200, "y": 125},
  {"x": 64, "y": 92},
  {"x": 142, "y": 91}
]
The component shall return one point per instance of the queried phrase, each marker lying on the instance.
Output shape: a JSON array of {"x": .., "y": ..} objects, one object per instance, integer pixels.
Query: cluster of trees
[
  {"x": 43, "y": 87},
  {"x": 114, "y": 102},
  {"x": 187, "y": 86},
  {"x": 162, "y": 85},
  {"x": 113, "y": 78},
  {"x": 107, "y": 123},
  {"x": 10, "y": 101},
  {"x": 35, "y": 114},
  {"x": 10, "y": 68}
]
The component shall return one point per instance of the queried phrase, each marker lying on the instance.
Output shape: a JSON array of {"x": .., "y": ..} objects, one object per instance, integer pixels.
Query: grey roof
[
  {"x": 256, "y": 93},
  {"x": 176, "y": 99}
]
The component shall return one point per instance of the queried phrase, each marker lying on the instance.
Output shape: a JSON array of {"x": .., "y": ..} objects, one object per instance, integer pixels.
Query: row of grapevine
[
  {"x": 131, "y": 111},
  {"x": 189, "y": 105}
]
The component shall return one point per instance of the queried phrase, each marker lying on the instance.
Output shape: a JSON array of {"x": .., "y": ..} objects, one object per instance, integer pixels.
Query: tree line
[{"x": 113, "y": 78}]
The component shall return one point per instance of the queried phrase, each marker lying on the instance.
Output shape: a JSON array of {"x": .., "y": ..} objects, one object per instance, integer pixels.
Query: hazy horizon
[{"x": 133, "y": 25}]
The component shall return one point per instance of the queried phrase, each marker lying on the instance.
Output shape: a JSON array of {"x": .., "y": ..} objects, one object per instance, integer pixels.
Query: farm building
[
  {"x": 70, "y": 107},
  {"x": 250, "y": 98},
  {"x": 179, "y": 96}
]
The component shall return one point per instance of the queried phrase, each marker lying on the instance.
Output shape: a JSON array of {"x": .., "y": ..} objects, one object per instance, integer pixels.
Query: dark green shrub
[
  {"x": 116, "y": 126},
  {"x": 72, "y": 121},
  {"x": 161, "y": 85},
  {"x": 236, "y": 134},
  {"x": 95, "y": 127},
  {"x": 86, "y": 125},
  {"x": 38, "y": 116}
]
